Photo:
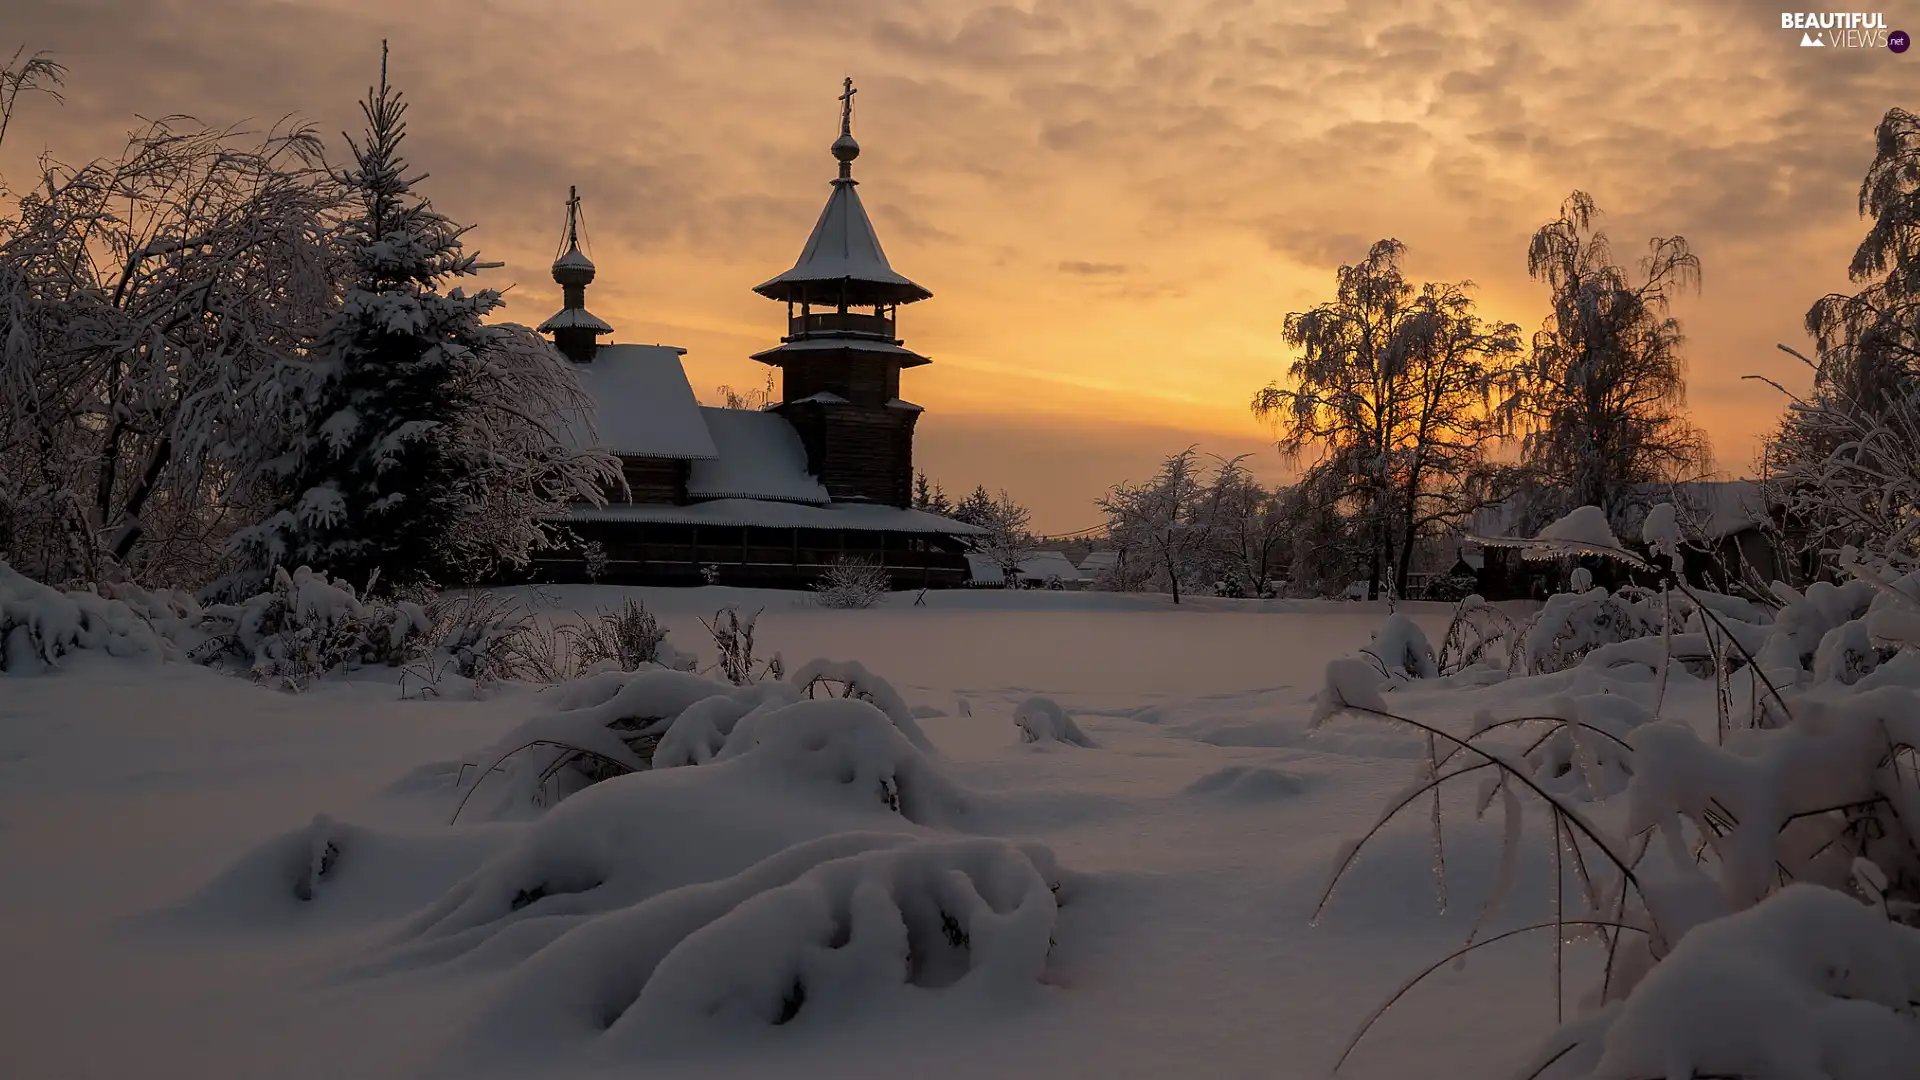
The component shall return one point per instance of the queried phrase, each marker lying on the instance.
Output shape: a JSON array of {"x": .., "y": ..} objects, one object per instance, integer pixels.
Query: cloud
[{"x": 1083, "y": 268}]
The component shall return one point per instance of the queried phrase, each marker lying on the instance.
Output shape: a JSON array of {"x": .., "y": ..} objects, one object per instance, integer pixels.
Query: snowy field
[{"x": 154, "y": 819}]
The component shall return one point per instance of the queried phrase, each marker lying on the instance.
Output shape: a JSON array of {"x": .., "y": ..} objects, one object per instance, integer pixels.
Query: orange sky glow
[{"x": 1115, "y": 204}]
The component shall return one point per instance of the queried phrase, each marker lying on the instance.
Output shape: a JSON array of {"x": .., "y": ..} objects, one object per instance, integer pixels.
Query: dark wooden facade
[
  {"x": 861, "y": 453},
  {"x": 652, "y": 480},
  {"x": 662, "y": 553}
]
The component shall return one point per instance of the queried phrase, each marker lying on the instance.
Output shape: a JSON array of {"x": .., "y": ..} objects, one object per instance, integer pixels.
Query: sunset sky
[{"x": 1115, "y": 204}]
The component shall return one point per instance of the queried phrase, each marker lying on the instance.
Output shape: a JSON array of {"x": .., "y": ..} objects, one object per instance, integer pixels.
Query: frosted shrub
[
  {"x": 851, "y": 583},
  {"x": 307, "y": 625},
  {"x": 40, "y": 624},
  {"x": 1755, "y": 881},
  {"x": 1573, "y": 624},
  {"x": 627, "y": 639}
]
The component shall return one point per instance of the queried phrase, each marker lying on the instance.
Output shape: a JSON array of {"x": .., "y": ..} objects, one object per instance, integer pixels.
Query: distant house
[
  {"x": 1097, "y": 564},
  {"x": 1041, "y": 570},
  {"x": 1724, "y": 521},
  {"x": 761, "y": 497}
]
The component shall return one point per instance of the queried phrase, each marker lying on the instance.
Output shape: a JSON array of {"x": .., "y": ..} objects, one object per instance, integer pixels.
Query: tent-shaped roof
[
  {"x": 843, "y": 259},
  {"x": 843, "y": 248}
]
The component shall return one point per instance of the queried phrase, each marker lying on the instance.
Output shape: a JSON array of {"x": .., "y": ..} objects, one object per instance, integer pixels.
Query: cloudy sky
[{"x": 1115, "y": 203}]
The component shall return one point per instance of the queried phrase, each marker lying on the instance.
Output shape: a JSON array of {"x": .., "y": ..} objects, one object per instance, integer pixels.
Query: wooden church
[{"x": 768, "y": 497}]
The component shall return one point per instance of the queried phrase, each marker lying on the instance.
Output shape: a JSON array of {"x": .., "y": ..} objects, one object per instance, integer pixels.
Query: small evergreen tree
[
  {"x": 975, "y": 509},
  {"x": 370, "y": 484},
  {"x": 928, "y": 496}
]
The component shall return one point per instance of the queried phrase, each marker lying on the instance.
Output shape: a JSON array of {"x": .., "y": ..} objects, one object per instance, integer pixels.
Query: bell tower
[
  {"x": 576, "y": 331},
  {"x": 840, "y": 360}
]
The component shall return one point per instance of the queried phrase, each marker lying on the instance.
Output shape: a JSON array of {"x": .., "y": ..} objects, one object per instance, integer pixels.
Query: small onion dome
[
  {"x": 845, "y": 148},
  {"x": 573, "y": 268}
]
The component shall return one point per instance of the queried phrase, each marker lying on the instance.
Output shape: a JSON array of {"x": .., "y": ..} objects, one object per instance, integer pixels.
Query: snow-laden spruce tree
[{"x": 370, "y": 481}]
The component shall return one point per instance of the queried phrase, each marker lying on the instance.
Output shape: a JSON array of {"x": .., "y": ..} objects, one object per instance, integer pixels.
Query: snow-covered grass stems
[
  {"x": 1569, "y": 826},
  {"x": 733, "y": 635}
]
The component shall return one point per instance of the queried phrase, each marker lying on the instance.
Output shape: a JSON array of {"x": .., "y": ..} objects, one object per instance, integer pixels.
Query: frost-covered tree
[
  {"x": 1599, "y": 402},
  {"x": 1247, "y": 529},
  {"x": 1845, "y": 460},
  {"x": 1156, "y": 526},
  {"x": 1009, "y": 539},
  {"x": 144, "y": 298},
  {"x": 1392, "y": 389},
  {"x": 372, "y": 480}
]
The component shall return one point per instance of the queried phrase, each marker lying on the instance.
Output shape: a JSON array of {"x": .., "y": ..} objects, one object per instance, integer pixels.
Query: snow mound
[
  {"x": 855, "y": 681},
  {"x": 1248, "y": 783},
  {"x": 40, "y": 624},
  {"x": 812, "y": 936},
  {"x": 1402, "y": 649},
  {"x": 1807, "y": 983},
  {"x": 1584, "y": 530},
  {"x": 1041, "y": 720}
]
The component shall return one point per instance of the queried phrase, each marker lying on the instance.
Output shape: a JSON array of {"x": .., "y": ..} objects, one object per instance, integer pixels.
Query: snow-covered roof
[
  {"x": 643, "y": 404},
  {"x": 1039, "y": 566},
  {"x": 1707, "y": 509},
  {"x": 824, "y": 397},
  {"x": 1098, "y": 561},
  {"x": 761, "y": 457},
  {"x": 758, "y": 513},
  {"x": 843, "y": 248},
  {"x": 904, "y": 406},
  {"x": 574, "y": 318},
  {"x": 908, "y": 358}
]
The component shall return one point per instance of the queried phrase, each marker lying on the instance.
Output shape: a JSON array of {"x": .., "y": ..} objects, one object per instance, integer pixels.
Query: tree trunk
[
  {"x": 137, "y": 499},
  {"x": 1173, "y": 576}
]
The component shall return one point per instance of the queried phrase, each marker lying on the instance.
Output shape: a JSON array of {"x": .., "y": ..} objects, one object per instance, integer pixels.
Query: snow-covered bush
[
  {"x": 1402, "y": 650},
  {"x": 616, "y": 722},
  {"x": 40, "y": 624},
  {"x": 851, "y": 583},
  {"x": 307, "y": 625},
  {"x": 627, "y": 639},
  {"x": 1041, "y": 720},
  {"x": 1754, "y": 879}
]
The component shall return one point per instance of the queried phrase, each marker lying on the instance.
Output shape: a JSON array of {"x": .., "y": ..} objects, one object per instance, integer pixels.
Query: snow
[
  {"x": 904, "y": 406},
  {"x": 870, "y": 517},
  {"x": 158, "y": 822},
  {"x": 643, "y": 405},
  {"x": 760, "y": 457},
  {"x": 1584, "y": 527},
  {"x": 1026, "y": 833}
]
